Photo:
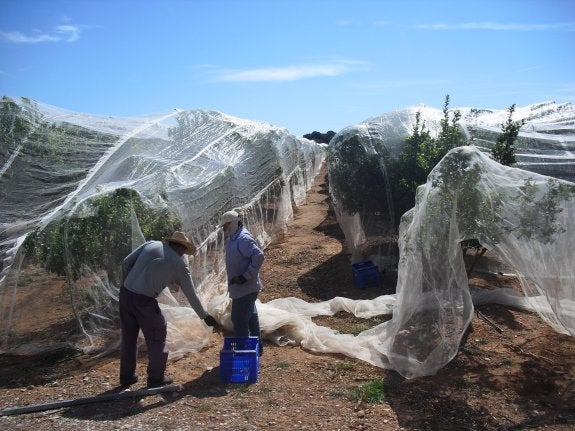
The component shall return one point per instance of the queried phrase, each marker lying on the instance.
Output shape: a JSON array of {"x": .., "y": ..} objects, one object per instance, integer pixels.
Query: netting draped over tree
[
  {"x": 361, "y": 186},
  {"x": 526, "y": 219},
  {"x": 366, "y": 185},
  {"x": 79, "y": 192}
]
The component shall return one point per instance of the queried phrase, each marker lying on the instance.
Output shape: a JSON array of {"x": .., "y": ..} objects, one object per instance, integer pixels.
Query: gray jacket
[{"x": 153, "y": 266}]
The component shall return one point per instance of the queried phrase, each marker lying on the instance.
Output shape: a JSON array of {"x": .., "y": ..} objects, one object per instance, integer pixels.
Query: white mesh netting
[
  {"x": 526, "y": 219},
  {"x": 546, "y": 145},
  {"x": 79, "y": 192}
]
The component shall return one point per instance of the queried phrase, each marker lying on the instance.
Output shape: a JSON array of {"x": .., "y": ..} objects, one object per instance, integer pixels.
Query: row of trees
[{"x": 97, "y": 234}]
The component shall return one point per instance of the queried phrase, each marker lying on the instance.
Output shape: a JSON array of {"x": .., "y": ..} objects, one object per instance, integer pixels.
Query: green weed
[
  {"x": 370, "y": 392},
  {"x": 339, "y": 366},
  {"x": 283, "y": 364}
]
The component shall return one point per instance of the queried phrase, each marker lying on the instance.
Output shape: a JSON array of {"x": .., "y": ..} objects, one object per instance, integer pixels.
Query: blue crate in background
[
  {"x": 239, "y": 360},
  {"x": 366, "y": 274}
]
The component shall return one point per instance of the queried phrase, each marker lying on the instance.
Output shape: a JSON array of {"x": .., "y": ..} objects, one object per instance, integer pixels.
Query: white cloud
[
  {"x": 288, "y": 73},
  {"x": 487, "y": 25},
  {"x": 70, "y": 33},
  {"x": 62, "y": 33}
]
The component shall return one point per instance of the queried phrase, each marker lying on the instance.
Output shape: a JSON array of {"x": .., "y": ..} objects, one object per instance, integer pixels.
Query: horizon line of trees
[{"x": 320, "y": 138}]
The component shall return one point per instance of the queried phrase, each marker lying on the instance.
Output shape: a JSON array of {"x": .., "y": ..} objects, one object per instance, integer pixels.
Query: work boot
[
  {"x": 153, "y": 383},
  {"x": 128, "y": 380}
]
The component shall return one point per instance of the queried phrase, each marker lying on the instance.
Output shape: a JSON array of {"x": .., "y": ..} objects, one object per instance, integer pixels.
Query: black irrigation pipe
[{"x": 88, "y": 400}]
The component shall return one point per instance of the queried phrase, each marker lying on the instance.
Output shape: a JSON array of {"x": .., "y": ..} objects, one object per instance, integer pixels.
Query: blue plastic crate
[
  {"x": 241, "y": 343},
  {"x": 239, "y": 360},
  {"x": 366, "y": 274}
]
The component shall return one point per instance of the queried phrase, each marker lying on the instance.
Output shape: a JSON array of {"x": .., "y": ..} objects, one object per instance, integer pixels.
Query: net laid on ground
[{"x": 526, "y": 219}]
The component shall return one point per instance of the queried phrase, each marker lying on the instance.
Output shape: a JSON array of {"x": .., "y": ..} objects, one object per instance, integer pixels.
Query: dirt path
[{"x": 522, "y": 378}]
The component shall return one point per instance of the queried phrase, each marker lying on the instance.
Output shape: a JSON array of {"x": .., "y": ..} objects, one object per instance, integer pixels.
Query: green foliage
[
  {"x": 419, "y": 138},
  {"x": 15, "y": 124},
  {"x": 478, "y": 214},
  {"x": 455, "y": 197},
  {"x": 370, "y": 392},
  {"x": 431, "y": 151},
  {"x": 472, "y": 205},
  {"x": 339, "y": 366},
  {"x": 356, "y": 175},
  {"x": 419, "y": 155},
  {"x": 283, "y": 364},
  {"x": 538, "y": 211},
  {"x": 503, "y": 152},
  {"x": 504, "y": 149},
  {"x": 98, "y": 235},
  {"x": 405, "y": 173}
]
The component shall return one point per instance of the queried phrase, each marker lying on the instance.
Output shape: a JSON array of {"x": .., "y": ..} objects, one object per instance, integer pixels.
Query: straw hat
[{"x": 181, "y": 238}]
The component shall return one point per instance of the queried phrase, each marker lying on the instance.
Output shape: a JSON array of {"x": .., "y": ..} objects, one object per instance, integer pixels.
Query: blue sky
[{"x": 302, "y": 64}]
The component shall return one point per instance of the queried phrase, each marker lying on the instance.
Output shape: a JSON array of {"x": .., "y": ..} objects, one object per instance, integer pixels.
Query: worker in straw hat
[
  {"x": 244, "y": 258},
  {"x": 146, "y": 272}
]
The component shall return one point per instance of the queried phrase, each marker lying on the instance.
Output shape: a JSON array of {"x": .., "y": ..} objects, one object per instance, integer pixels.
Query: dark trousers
[
  {"x": 142, "y": 312},
  {"x": 245, "y": 317}
]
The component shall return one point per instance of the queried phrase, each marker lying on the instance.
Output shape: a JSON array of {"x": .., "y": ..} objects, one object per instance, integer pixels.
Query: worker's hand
[
  {"x": 210, "y": 321},
  {"x": 238, "y": 279}
]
